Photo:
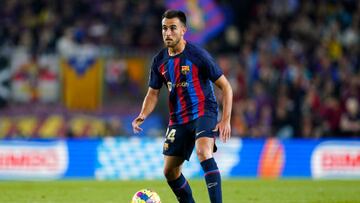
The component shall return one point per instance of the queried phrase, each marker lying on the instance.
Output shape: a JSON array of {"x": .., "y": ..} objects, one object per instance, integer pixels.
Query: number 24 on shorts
[{"x": 170, "y": 135}]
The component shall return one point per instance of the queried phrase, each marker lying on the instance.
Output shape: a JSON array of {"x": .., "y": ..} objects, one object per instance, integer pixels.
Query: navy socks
[
  {"x": 182, "y": 190},
  {"x": 213, "y": 180}
]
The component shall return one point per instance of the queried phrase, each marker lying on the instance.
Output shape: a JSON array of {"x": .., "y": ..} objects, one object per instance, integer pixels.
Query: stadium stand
[{"x": 294, "y": 66}]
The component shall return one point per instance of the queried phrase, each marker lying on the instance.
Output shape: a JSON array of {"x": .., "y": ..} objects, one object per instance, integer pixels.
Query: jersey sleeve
[
  {"x": 154, "y": 76},
  {"x": 213, "y": 70}
]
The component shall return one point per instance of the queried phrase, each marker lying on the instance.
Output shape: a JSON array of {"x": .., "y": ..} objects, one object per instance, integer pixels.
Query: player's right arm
[{"x": 149, "y": 103}]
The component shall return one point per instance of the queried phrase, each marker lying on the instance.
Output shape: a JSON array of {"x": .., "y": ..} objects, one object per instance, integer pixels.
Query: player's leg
[
  {"x": 204, "y": 150},
  {"x": 176, "y": 180},
  {"x": 205, "y": 145},
  {"x": 177, "y": 148}
]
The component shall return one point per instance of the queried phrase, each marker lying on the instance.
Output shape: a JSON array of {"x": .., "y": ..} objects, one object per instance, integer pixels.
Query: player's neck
[{"x": 177, "y": 49}]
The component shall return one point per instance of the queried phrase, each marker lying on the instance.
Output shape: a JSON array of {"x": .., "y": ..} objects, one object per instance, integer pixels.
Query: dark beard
[{"x": 173, "y": 44}]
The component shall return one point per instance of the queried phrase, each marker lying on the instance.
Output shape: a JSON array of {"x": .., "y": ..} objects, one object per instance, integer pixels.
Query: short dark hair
[{"x": 175, "y": 14}]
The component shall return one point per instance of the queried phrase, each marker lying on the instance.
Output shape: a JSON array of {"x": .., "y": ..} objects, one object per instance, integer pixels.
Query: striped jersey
[{"x": 188, "y": 76}]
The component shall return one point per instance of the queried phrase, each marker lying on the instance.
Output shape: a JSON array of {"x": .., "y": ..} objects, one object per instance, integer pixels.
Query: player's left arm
[{"x": 224, "y": 126}]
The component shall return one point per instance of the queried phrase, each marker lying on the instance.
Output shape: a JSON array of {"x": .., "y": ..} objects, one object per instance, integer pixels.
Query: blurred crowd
[
  {"x": 294, "y": 65},
  {"x": 43, "y": 26},
  {"x": 297, "y": 72}
]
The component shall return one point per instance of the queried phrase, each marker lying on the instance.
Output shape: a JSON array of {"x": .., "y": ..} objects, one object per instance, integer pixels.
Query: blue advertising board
[{"x": 141, "y": 158}]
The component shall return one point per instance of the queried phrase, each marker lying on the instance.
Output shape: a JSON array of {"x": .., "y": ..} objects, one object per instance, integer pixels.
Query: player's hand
[
  {"x": 224, "y": 129},
  {"x": 136, "y": 124}
]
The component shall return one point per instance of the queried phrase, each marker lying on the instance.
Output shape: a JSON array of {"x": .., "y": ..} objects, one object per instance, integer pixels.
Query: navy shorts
[{"x": 180, "y": 139}]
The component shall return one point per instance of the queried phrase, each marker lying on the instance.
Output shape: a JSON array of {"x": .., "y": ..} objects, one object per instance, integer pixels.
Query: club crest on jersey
[
  {"x": 185, "y": 69},
  {"x": 166, "y": 146}
]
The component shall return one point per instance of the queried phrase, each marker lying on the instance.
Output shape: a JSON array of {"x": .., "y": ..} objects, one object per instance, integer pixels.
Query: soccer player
[{"x": 188, "y": 72}]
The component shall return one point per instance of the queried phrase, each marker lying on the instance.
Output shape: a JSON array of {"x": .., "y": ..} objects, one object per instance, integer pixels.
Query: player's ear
[{"x": 184, "y": 29}]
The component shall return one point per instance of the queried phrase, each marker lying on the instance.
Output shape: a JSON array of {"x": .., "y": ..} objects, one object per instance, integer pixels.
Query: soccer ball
[{"x": 145, "y": 196}]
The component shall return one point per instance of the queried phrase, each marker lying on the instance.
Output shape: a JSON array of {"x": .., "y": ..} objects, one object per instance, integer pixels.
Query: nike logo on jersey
[
  {"x": 200, "y": 132},
  {"x": 163, "y": 73},
  {"x": 210, "y": 185}
]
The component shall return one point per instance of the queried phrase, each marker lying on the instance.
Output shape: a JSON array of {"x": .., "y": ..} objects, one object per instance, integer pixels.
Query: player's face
[{"x": 172, "y": 31}]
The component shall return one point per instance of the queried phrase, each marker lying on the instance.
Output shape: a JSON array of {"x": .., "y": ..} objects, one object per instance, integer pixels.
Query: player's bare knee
[
  {"x": 203, "y": 154},
  {"x": 171, "y": 174}
]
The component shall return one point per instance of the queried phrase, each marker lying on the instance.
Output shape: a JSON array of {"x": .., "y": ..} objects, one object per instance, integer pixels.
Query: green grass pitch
[{"x": 234, "y": 191}]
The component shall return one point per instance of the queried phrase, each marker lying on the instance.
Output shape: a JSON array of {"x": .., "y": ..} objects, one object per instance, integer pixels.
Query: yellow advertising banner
[{"x": 82, "y": 83}]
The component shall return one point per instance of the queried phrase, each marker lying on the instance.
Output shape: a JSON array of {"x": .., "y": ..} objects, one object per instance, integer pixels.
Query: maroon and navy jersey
[{"x": 188, "y": 76}]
